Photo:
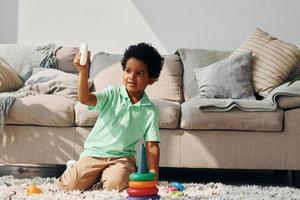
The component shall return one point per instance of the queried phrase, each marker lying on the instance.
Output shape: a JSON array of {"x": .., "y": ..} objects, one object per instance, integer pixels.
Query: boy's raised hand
[{"x": 82, "y": 68}]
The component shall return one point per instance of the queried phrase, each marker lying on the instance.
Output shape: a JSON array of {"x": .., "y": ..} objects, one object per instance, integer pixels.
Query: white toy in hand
[
  {"x": 70, "y": 163},
  {"x": 83, "y": 53}
]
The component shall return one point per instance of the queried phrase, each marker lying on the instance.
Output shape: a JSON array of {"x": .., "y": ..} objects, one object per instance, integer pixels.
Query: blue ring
[{"x": 178, "y": 185}]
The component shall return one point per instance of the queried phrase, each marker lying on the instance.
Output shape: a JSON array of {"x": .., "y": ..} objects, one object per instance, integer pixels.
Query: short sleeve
[
  {"x": 152, "y": 132},
  {"x": 102, "y": 98}
]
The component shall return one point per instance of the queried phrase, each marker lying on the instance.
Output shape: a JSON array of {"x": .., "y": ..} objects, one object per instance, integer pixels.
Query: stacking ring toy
[
  {"x": 155, "y": 197},
  {"x": 142, "y": 184},
  {"x": 171, "y": 189},
  {"x": 142, "y": 177},
  {"x": 176, "y": 194},
  {"x": 178, "y": 185},
  {"x": 142, "y": 191}
]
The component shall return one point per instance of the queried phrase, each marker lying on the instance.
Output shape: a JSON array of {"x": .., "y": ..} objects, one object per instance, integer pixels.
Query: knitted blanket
[{"x": 265, "y": 105}]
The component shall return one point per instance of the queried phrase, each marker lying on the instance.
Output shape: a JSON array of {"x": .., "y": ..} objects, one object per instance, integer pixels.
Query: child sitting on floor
[{"x": 125, "y": 115}]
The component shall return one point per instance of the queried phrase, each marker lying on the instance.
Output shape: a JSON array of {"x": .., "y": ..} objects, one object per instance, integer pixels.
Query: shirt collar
[
  {"x": 123, "y": 92},
  {"x": 144, "y": 101}
]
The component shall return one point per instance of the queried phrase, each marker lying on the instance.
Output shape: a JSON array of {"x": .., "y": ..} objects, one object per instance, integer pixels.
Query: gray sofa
[{"x": 51, "y": 129}]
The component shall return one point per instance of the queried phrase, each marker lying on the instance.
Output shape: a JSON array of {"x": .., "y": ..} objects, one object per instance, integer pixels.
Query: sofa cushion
[
  {"x": 44, "y": 110},
  {"x": 168, "y": 87},
  {"x": 195, "y": 58},
  {"x": 226, "y": 79},
  {"x": 104, "y": 78},
  {"x": 9, "y": 79},
  {"x": 272, "y": 60},
  {"x": 169, "y": 114},
  {"x": 193, "y": 118},
  {"x": 65, "y": 57},
  {"x": 101, "y": 61}
]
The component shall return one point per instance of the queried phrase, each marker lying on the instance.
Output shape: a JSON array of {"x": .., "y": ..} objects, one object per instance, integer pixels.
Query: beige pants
[{"x": 112, "y": 172}]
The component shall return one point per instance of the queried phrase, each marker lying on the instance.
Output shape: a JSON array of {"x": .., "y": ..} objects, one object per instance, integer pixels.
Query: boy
[{"x": 125, "y": 115}]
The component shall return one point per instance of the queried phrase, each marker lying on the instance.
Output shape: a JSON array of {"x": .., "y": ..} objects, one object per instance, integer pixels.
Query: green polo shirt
[{"x": 121, "y": 124}]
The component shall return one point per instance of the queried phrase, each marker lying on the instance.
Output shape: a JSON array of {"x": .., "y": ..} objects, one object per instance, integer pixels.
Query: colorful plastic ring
[
  {"x": 142, "y": 177},
  {"x": 142, "y": 184},
  {"x": 142, "y": 191},
  {"x": 178, "y": 185},
  {"x": 176, "y": 194},
  {"x": 155, "y": 197},
  {"x": 171, "y": 189}
]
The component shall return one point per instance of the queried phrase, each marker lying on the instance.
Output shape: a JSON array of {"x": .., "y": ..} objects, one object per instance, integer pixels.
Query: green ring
[{"x": 142, "y": 177}]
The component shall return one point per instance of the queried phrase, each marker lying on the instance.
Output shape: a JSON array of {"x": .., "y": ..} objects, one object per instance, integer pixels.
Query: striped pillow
[
  {"x": 9, "y": 79},
  {"x": 294, "y": 74},
  {"x": 272, "y": 60}
]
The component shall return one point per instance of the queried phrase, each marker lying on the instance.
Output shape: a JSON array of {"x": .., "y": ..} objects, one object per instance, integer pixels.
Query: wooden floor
[{"x": 233, "y": 177}]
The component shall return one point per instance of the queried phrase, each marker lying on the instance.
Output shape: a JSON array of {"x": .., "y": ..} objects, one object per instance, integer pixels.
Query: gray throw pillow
[
  {"x": 193, "y": 58},
  {"x": 226, "y": 79}
]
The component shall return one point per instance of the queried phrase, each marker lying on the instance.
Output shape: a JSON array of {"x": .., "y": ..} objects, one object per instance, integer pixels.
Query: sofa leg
[
  {"x": 295, "y": 175},
  {"x": 280, "y": 177},
  {"x": 291, "y": 178},
  {"x": 280, "y": 172}
]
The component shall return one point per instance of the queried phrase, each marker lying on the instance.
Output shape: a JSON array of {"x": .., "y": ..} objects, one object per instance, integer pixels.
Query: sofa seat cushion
[
  {"x": 44, "y": 110},
  {"x": 169, "y": 114},
  {"x": 193, "y": 118}
]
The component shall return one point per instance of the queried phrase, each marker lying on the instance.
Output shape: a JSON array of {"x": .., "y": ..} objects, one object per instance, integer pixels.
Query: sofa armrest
[
  {"x": 292, "y": 138},
  {"x": 288, "y": 102}
]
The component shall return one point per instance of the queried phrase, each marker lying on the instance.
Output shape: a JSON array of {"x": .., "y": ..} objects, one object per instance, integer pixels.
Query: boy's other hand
[
  {"x": 82, "y": 68},
  {"x": 155, "y": 172}
]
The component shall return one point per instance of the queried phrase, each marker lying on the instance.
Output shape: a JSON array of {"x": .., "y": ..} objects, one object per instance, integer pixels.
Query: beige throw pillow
[
  {"x": 272, "y": 60},
  {"x": 65, "y": 57},
  {"x": 9, "y": 79}
]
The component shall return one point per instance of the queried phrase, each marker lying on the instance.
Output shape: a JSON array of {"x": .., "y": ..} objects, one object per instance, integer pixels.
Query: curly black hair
[{"x": 147, "y": 54}]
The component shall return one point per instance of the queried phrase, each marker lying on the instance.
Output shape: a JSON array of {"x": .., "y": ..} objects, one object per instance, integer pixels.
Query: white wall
[
  {"x": 111, "y": 25},
  {"x": 8, "y": 21}
]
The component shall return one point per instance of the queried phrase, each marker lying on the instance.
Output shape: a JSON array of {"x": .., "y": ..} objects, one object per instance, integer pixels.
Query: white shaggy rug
[{"x": 12, "y": 188}]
